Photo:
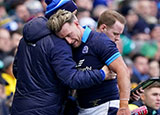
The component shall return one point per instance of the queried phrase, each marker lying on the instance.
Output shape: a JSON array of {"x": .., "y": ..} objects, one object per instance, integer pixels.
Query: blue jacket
[{"x": 44, "y": 70}]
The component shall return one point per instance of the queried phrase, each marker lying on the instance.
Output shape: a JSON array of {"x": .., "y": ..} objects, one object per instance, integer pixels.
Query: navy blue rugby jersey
[{"x": 95, "y": 51}]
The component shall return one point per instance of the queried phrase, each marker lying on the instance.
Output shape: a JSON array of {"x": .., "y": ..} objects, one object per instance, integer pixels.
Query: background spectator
[
  {"x": 150, "y": 98},
  {"x": 5, "y": 43},
  {"x": 140, "y": 68},
  {"x": 154, "y": 70}
]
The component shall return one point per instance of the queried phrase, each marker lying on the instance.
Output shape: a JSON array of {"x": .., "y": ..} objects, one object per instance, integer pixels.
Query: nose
[
  {"x": 69, "y": 40},
  {"x": 117, "y": 37}
]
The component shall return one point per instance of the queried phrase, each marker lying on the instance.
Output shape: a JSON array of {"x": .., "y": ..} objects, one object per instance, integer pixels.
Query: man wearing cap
[
  {"x": 44, "y": 70},
  {"x": 93, "y": 50}
]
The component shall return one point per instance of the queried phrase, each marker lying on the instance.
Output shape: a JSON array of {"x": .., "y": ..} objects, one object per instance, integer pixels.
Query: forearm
[
  {"x": 74, "y": 78},
  {"x": 83, "y": 79},
  {"x": 119, "y": 67},
  {"x": 124, "y": 87}
]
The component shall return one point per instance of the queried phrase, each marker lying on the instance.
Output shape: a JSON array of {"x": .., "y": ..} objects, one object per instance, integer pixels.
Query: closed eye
[
  {"x": 70, "y": 34},
  {"x": 116, "y": 34}
]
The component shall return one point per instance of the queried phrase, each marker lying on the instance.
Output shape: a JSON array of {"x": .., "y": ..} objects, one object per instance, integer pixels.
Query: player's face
[
  {"x": 115, "y": 31},
  {"x": 152, "y": 98},
  {"x": 71, "y": 33}
]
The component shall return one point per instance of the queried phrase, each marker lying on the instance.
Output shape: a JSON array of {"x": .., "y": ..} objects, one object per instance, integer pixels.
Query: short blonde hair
[{"x": 57, "y": 20}]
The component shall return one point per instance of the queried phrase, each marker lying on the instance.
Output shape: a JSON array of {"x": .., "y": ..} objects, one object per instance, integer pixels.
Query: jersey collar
[{"x": 86, "y": 33}]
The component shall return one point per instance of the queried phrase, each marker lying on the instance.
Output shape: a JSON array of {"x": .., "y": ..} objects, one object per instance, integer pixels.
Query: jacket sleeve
[
  {"x": 15, "y": 68},
  {"x": 65, "y": 68}
]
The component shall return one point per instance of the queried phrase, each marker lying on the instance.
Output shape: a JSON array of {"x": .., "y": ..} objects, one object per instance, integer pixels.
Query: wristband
[
  {"x": 124, "y": 99},
  {"x": 103, "y": 74},
  {"x": 123, "y": 103}
]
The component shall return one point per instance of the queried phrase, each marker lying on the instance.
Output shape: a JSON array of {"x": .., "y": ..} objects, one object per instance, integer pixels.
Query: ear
[
  {"x": 103, "y": 28},
  {"x": 75, "y": 12},
  {"x": 76, "y": 22}
]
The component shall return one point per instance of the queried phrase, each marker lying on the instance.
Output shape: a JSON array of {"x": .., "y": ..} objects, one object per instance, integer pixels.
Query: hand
[
  {"x": 109, "y": 74},
  {"x": 136, "y": 96},
  {"x": 124, "y": 111}
]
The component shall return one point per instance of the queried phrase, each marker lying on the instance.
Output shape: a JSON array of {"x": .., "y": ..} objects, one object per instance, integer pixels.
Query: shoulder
[
  {"x": 52, "y": 45},
  {"x": 99, "y": 36},
  {"x": 100, "y": 42},
  {"x": 56, "y": 44},
  {"x": 101, "y": 39},
  {"x": 54, "y": 41}
]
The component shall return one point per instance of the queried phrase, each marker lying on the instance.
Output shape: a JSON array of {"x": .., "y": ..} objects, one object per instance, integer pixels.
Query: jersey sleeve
[{"x": 106, "y": 49}]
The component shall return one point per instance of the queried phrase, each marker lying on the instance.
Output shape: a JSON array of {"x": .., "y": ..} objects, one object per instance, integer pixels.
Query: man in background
[{"x": 112, "y": 24}]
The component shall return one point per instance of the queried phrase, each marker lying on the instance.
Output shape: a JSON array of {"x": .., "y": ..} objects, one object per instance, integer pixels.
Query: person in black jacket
[{"x": 45, "y": 70}]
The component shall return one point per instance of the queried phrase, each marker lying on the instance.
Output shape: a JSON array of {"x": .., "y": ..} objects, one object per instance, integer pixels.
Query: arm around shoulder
[{"x": 65, "y": 68}]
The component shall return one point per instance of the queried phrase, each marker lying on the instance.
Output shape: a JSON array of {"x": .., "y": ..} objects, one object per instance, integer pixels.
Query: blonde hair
[{"x": 57, "y": 20}]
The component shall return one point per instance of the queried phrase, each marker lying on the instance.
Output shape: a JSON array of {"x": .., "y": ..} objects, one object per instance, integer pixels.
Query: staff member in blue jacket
[
  {"x": 44, "y": 70},
  {"x": 92, "y": 51}
]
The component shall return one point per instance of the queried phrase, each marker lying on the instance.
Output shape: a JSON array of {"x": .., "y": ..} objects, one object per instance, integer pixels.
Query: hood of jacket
[{"x": 35, "y": 29}]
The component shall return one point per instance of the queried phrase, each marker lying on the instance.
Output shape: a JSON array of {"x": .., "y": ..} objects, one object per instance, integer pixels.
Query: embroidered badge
[{"x": 85, "y": 50}]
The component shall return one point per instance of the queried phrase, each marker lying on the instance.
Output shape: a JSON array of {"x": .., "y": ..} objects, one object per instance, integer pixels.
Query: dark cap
[{"x": 55, "y": 5}]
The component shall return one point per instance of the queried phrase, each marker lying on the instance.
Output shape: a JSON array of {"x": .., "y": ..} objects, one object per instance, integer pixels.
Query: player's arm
[
  {"x": 108, "y": 52},
  {"x": 65, "y": 67},
  {"x": 119, "y": 67}
]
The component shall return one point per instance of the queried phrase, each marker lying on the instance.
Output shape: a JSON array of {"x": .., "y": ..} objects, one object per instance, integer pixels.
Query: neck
[
  {"x": 81, "y": 30},
  {"x": 98, "y": 30}
]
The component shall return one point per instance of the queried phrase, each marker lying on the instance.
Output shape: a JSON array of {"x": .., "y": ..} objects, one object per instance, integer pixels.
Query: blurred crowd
[{"x": 139, "y": 43}]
